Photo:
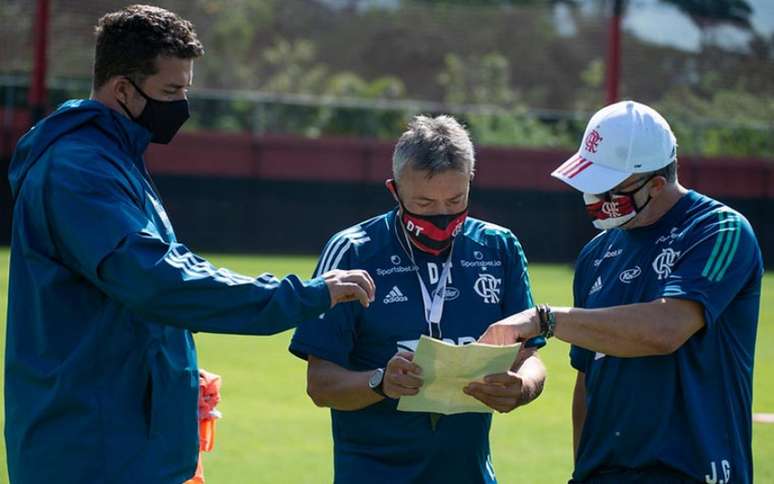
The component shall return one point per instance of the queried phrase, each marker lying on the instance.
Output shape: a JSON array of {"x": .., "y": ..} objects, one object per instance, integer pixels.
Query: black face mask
[
  {"x": 430, "y": 233},
  {"x": 162, "y": 118}
]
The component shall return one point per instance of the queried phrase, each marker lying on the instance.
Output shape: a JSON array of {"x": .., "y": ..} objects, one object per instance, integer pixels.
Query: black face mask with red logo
[{"x": 430, "y": 233}]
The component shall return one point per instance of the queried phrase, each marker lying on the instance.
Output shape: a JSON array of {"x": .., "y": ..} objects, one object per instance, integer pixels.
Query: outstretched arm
[
  {"x": 168, "y": 284},
  {"x": 644, "y": 329}
]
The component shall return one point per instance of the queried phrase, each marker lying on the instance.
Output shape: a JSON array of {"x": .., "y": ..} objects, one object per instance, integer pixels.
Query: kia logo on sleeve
[{"x": 629, "y": 275}]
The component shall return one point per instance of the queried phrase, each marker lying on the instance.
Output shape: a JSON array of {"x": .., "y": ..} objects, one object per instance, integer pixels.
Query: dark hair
[
  {"x": 669, "y": 172},
  {"x": 130, "y": 40}
]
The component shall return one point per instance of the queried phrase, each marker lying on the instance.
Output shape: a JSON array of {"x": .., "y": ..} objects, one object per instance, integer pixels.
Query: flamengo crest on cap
[{"x": 592, "y": 141}]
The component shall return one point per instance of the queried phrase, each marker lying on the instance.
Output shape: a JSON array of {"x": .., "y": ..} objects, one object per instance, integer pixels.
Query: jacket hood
[{"x": 69, "y": 117}]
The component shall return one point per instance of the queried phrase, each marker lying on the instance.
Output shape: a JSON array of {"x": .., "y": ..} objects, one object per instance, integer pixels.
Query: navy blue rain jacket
[{"x": 101, "y": 378}]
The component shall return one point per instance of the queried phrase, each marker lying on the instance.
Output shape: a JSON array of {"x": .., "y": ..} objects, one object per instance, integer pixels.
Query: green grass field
[{"x": 271, "y": 432}]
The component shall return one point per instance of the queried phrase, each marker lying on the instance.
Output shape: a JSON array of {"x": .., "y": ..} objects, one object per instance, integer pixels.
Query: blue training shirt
[
  {"x": 689, "y": 410},
  {"x": 488, "y": 281}
]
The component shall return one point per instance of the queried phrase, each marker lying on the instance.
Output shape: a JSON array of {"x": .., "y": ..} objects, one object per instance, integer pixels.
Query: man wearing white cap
[{"x": 665, "y": 318}]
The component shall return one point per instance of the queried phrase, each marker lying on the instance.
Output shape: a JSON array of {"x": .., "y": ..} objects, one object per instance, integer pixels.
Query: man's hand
[
  {"x": 345, "y": 286},
  {"x": 501, "y": 392},
  {"x": 519, "y": 327},
  {"x": 402, "y": 376}
]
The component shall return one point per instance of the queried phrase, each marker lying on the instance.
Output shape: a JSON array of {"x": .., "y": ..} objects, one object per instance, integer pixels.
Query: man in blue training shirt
[
  {"x": 670, "y": 292},
  {"x": 440, "y": 273},
  {"x": 101, "y": 381}
]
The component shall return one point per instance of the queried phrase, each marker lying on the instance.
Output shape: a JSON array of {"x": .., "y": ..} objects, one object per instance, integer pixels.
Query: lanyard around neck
[{"x": 433, "y": 304}]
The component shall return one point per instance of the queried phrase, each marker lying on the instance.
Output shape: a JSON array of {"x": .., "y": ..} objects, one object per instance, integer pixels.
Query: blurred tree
[
  {"x": 478, "y": 80},
  {"x": 545, "y": 54},
  {"x": 761, "y": 47},
  {"x": 230, "y": 29},
  {"x": 517, "y": 127},
  {"x": 706, "y": 13},
  {"x": 349, "y": 84},
  {"x": 591, "y": 96},
  {"x": 730, "y": 122},
  {"x": 292, "y": 67}
]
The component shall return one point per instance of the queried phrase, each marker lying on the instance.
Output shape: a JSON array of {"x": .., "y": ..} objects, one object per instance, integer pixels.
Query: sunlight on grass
[{"x": 271, "y": 431}]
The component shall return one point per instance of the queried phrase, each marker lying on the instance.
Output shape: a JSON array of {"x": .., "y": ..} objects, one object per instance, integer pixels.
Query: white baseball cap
[{"x": 621, "y": 139}]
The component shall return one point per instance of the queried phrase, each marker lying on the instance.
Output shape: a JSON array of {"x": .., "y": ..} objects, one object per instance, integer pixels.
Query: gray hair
[{"x": 434, "y": 145}]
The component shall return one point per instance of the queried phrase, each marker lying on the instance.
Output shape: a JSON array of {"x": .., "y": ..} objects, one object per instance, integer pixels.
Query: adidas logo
[
  {"x": 597, "y": 286},
  {"x": 394, "y": 296}
]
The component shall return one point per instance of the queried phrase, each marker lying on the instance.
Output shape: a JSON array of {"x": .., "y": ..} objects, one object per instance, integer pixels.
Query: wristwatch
[{"x": 376, "y": 382}]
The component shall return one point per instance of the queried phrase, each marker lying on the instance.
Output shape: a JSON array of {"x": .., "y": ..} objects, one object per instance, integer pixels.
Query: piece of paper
[{"x": 447, "y": 369}]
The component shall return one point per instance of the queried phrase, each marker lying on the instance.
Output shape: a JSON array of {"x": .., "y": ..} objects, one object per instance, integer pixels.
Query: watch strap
[{"x": 379, "y": 387}]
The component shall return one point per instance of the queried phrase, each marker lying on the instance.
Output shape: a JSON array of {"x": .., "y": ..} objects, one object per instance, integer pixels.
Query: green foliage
[
  {"x": 729, "y": 122},
  {"x": 229, "y": 36},
  {"x": 299, "y": 61},
  {"x": 485, "y": 80},
  {"x": 591, "y": 95},
  {"x": 478, "y": 80},
  {"x": 518, "y": 128},
  {"x": 292, "y": 67},
  {"x": 358, "y": 122},
  {"x": 330, "y": 63}
]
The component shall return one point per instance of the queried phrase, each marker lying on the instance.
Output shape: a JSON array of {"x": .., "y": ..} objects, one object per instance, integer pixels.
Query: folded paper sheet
[{"x": 447, "y": 369}]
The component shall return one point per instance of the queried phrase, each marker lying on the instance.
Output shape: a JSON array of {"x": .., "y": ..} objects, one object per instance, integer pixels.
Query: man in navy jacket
[{"x": 101, "y": 379}]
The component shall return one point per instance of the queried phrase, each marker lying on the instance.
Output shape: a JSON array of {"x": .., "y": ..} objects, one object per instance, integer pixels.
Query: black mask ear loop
[
  {"x": 124, "y": 107},
  {"x": 631, "y": 193},
  {"x": 395, "y": 190},
  {"x": 409, "y": 251}
]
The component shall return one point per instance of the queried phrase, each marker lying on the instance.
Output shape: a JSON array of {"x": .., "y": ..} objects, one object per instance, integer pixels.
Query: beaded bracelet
[{"x": 547, "y": 320}]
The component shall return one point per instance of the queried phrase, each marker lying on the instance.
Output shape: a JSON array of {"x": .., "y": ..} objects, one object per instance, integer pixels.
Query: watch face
[{"x": 376, "y": 378}]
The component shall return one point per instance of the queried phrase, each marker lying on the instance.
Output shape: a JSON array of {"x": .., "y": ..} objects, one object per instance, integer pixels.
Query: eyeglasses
[{"x": 642, "y": 182}]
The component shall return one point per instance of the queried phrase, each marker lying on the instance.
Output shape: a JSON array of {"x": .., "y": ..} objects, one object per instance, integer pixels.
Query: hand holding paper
[
  {"x": 401, "y": 376},
  {"x": 501, "y": 392},
  {"x": 447, "y": 369}
]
